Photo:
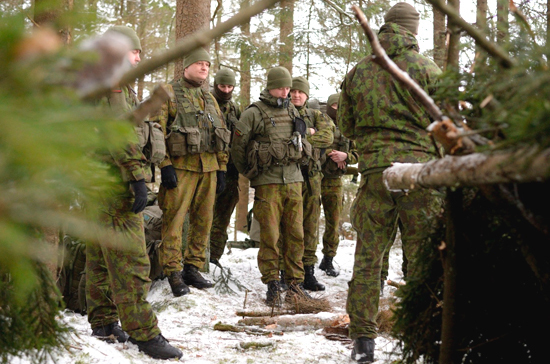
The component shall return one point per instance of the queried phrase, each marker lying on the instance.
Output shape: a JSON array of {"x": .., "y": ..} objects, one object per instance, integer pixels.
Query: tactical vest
[
  {"x": 230, "y": 112},
  {"x": 341, "y": 143},
  {"x": 195, "y": 130},
  {"x": 316, "y": 153},
  {"x": 279, "y": 144}
]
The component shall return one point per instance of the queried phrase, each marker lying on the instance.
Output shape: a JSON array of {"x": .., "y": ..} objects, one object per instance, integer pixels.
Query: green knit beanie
[
  {"x": 225, "y": 77},
  {"x": 333, "y": 99},
  {"x": 405, "y": 15},
  {"x": 199, "y": 54},
  {"x": 130, "y": 33},
  {"x": 300, "y": 83},
  {"x": 278, "y": 77}
]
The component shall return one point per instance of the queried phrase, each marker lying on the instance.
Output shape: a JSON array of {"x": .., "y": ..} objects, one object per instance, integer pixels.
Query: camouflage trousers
[
  {"x": 223, "y": 209},
  {"x": 376, "y": 214},
  {"x": 332, "y": 199},
  {"x": 278, "y": 209},
  {"x": 117, "y": 276},
  {"x": 195, "y": 194},
  {"x": 312, "y": 213}
]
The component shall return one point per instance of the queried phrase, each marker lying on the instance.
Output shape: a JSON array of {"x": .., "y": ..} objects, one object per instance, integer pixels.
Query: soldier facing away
[
  {"x": 197, "y": 142},
  {"x": 320, "y": 137},
  {"x": 388, "y": 126},
  {"x": 228, "y": 197},
  {"x": 338, "y": 156},
  {"x": 117, "y": 281},
  {"x": 268, "y": 148}
]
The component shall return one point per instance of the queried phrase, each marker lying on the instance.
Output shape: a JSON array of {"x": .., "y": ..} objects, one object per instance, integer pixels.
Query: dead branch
[
  {"x": 187, "y": 45},
  {"x": 382, "y": 59},
  {"x": 149, "y": 106},
  {"x": 395, "y": 284},
  {"x": 296, "y": 322},
  {"x": 490, "y": 47},
  {"x": 523, "y": 165},
  {"x": 248, "y": 330},
  {"x": 262, "y": 313}
]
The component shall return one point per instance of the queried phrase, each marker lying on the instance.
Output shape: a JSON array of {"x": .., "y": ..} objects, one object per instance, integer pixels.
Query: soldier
[
  {"x": 341, "y": 153},
  {"x": 197, "y": 144},
  {"x": 227, "y": 199},
  {"x": 388, "y": 126},
  {"x": 269, "y": 145},
  {"x": 320, "y": 137},
  {"x": 117, "y": 281}
]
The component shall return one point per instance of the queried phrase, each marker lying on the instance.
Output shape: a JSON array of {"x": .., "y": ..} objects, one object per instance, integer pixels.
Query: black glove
[
  {"x": 168, "y": 177},
  {"x": 140, "y": 193},
  {"x": 220, "y": 186}
]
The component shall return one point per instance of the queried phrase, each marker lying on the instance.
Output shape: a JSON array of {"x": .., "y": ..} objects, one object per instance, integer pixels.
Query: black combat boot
[
  {"x": 179, "y": 288},
  {"x": 310, "y": 282},
  {"x": 192, "y": 277},
  {"x": 273, "y": 294},
  {"x": 282, "y": 282},
  {"x": 110, "y": 333},
  {"x": 158, "y": 348},
  {"x": 326, "y": 265},
  {"x": 216, "y": 262},
  {"x": 363, "y": 350},
  {"x": 296, "y": 291}
]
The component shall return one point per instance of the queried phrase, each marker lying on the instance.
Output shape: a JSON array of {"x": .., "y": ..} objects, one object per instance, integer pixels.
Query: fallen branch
[
  {"x": 395, "y": 284},
  {"x": 296, "y": 322},
  {"x": 523, "y": 165},
  {"x": 248, "y": 330}
]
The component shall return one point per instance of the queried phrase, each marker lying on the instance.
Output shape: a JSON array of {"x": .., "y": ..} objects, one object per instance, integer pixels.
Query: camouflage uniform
[
  {"x": 229, "y": 197},
  {"x": 332, "y": 195},
  {"x": 196, "y": 173},
  {"x": 278, "y": 186},
  {"x": 117, "y": 277},
  {"x": 311, "y": 188},
  {"x": 388, "y": 126}
]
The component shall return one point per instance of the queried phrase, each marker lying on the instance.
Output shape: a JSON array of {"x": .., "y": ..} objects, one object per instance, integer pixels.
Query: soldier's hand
[
  {"x": 168, "y": 176},
  {"x": 220, "y": 185},
  {"x": 140, "y": 193}
]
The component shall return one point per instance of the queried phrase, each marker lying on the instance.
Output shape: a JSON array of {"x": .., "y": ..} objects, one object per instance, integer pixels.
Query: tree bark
[
  {"x": 523, "y": 165},
  {"x": 453, "y": 51},
  {"x": 502, "y": 22},
  {"x": 440, "y": 48},
  {"x": 481, "y": 17},
  {"x": 295, "y": 322},
  {"x": 191, "y": 16},
  {"x": 47, "y": 13},
  {"x": 286, "y": 39}
]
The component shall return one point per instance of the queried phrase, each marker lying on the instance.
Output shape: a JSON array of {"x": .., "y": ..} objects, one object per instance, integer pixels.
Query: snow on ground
[{"x": 188, "y": 321}]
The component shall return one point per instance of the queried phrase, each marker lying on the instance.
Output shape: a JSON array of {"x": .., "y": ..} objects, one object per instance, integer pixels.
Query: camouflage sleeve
[
  {"x": 222, "y": 157},
  {"x": 345, "y": 113},
  {"x": 163, "y": 116},
  {"x": 131, "y": 162},
  {"x": 353, "y": 155},
  {"x": 324, "y": 135},
  {"x": 241, "y": 136}
]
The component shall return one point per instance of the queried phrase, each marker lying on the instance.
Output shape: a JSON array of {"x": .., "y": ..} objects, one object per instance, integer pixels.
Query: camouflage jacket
[
  {"x": 231, "y": 114},
  {"x": 251, "y": 126},
  {"x": 321, "y": 139},
  {"x": 131, "y": 161},
  {"x": 379, "y": 113},
  {"x": 202, "y": 162}
]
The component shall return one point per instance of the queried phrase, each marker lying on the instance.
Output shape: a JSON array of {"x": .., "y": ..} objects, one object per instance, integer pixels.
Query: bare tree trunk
[
  {"x": 453, "y": 53},
  {"x": 482, "y": 25},
  {"x": 141, "y": 30},
  {"x": 244, "y": 100},
  {"x": 286, "y": 39},
  {"x": 47, "y": 13},
  {"x": 440, "y": 48},
  {"x": 547, "y": 25},
  {"x": 502, "y": 21},
  {"x": 191, "y": 15}
]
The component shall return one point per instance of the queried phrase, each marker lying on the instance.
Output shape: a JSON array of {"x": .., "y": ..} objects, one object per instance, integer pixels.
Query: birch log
[{"x": 523, "y": 165}]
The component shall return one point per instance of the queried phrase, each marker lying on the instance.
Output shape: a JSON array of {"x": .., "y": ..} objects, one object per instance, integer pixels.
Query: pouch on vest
[
  {"x": 193, "y": 135},
  {"x": 176, "y": 143},
  {"x": 155, "y": 147},
  {"x": 223, "y": 138},
  {"x": 265, "y": 155},
  {"x": 279, "y": 151}
]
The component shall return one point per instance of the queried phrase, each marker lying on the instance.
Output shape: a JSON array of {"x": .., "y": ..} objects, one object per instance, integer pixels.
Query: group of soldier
[{"x": 294, "y": 157}]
